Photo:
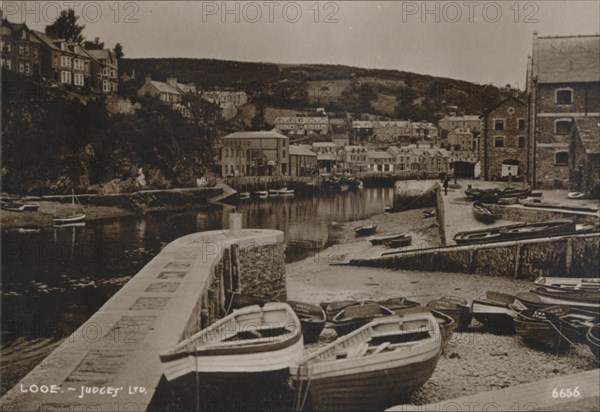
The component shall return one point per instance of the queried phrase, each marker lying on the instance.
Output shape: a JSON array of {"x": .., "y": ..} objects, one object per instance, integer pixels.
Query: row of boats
[
  {"x": 75, "y": 217},
  {"x": 496, "y": 195},
  {"x": 395, "y": 240},
  {"x": 385, "y": 350},
  {"x": 522, "y": 230},
  {"x": 263, "y": 194}
]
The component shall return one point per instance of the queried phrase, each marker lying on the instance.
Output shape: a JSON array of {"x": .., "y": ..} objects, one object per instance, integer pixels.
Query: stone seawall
[
  {"x": 535, "y": 215},
  {"x": 179, "y": 291},
  {"x": 574, "y": 256}
]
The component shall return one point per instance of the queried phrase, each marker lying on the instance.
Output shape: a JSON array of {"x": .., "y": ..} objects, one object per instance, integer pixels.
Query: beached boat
[
  {"x": 355, "y": 316},
  {"x": 531, "y": 300},
  {"x": 593, "y": 340},
  {"x": 386, "y": 239},
  {"x": 482, "y": 213},
  {"x": 561, "y": 206},
  {"x": 333, "y": 308},
  {"x": 241, "y": 300},
  {"x": 576, "y": 195},
  {"x": 251, "y": 342},
  {"x": 400, "y": 242},
  {"x": 575, "y": 324},
  {"x": 365, "y": 230},
  {"x": 31, "y": 207},
  {"x": 536, "y": 329},
  {"x": 286, "y": 192},
  {"x": 482, "y": 235},
  {"x": 455, "y": 307},
  {"x": 72, "y": 219},
  {"x": 575, "y": 284},
  {"x": 511, "y": 192},
  {"x": 493, "y": 311},
  {"x": 396, "y": 304},
  {"x": 588, "y": 301},
  {"x": 312, "y": 319},
  {"x": 373, "y": 368},
  {"x": 547, "y": 228}
]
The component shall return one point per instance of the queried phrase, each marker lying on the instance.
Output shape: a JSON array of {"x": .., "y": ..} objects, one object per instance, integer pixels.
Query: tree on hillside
[
  {"x": 66, "y": 27},
  {"x": 93, "y": 45},
  {"x": 119, "y": 51}
]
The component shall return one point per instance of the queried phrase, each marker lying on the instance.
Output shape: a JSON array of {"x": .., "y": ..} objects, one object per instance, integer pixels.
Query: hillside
[{"x": 337, "y": 88}]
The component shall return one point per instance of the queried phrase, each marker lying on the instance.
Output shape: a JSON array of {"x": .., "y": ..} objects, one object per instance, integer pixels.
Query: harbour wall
[
  {"x": 537, "y": 215},
  {"x": 568, "y": 256},
  {"x": 184, "y": 288}
]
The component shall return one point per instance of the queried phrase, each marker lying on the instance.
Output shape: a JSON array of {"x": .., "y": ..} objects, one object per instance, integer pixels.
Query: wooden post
[
  {"x": 517, "y": 261},
  {"x": 569, "y": 256}
]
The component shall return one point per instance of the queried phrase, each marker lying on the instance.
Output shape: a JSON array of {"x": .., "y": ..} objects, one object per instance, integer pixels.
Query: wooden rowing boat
[
  {"x": 312, "y": 319},
  {"x": 13, "y": 207},
  {"x": 581, "y": 300},
  {"x": 373, "y": 368},
  {"x": 561, "y": 206},
  {"x": 400, "y": 242},
  {"x": 576, "y": 284},
  {"x": 365, "y": 230},
  {"x": 593, "y": 340},
  {"x": 386, "y": 239},
  {"x": 493, "y": 311},
  {"x": 455, "y": 307},
  {"x": 252, "y": 340},
  {"x": 536, "y": 329},
  {"x": 399, "y": 303},
  {"x": 74, "y": 217},
  {"x": 482, "y": 235},
  {"x": 515, "y": 192},
  {"x": 553, "y": 227},
  {"x": 333, "y": 308},
  {"x": 353, "y": 317},
  {"x": 482, "y": 213},
  {"x": 576, "y": 195}
]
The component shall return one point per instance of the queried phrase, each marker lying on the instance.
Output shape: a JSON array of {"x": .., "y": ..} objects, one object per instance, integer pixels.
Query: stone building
[
  {"x": 354, "y": 158},
  {"x": 263, "y": 153},
  {"x": 21, "y": 49},
  {"x": 303, "y": 161},
  {"x": 469, "y": 121},
  {"x": 503, "y": 146},
  {"x": 302, "y": 126},
  {"x": 104, "y": 71},
  {"x": 461, "y": 139},
  {"x": 563, "y": 85},
  {"x": 585, "y": 162},
  {"x": 380, "y": 161}
]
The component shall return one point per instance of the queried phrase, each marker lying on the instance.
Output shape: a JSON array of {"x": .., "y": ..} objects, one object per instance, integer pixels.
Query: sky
[{"x": 478, "y": 41}]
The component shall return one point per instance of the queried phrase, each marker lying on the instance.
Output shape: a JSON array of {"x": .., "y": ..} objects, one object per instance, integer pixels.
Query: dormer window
[{"x": 564, "y": 96}]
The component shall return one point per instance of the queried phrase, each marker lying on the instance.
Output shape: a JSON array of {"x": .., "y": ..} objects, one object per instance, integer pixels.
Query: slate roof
[
  {"x": 566, "y": 59},
  {"x": 588, "y": 129},
  {"x": 263, "y": 134},
  {"x": 301, "y": 150}
]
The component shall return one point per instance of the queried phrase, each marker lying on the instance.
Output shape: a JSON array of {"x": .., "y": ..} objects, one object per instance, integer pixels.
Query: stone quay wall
[
  {"x": 181, "y": 290},
  {"x": 569, "y": 256},
  {"x": 535, "y": 215}
]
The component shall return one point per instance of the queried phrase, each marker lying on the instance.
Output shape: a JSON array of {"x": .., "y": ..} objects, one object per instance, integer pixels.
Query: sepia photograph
[{"x": 300, "y": 206}]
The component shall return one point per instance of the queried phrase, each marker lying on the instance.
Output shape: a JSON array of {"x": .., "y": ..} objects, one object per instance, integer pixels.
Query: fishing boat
[
  {"x": 482, "y": 213},
  {"x": 400, "y": 242},
  {"x": 312, "y": 319},
  {"x": 365, "y": 230},
  {"x": 31, "y": 207},
  {"x": 547, "y": 228},
  {"x": 386, "y": 239},
  {"x": 73, "y": 218},
  {"x": 588, "y": 301},
  {"x": 511, "y": 192},
  {"x": 455, "y": 307},
  {"x": 248, "y": 345},
  {"x": 355, "y": 316},
  {"x": 482, "y": 235},
  {"x": 561, "y": 206},
  {"x": 373, "y": 368},
  {"x": 396, "y": 304},
  {"x": 536, "y": 329},
  {"x": 273, "y": 192},
  {"x": 493, "y": 311},
  {"x": 333, "y": 308},
  {"x": 576, "y": 195},
  {"x": 593, "y": 340}
]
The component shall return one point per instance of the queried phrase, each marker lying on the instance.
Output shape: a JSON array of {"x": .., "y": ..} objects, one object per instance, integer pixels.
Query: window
[
  {"x": 65, "y": 61},
  {"x": 26, "y": 46},
  {"x": 105, "y": 71},
  {"x": 21, "y": 50},
  {"x": 27, "y": 68},
  {"x": 35, "y": 51},
  {"x": 21, "y": 67},
  {"x": 499, "y": 141},
  {"x": 65, "y": 77},
  {"x": 498, "y": 124},
  {"x": 521, "y": 124},
  {"x": 55, "y": 60},
  {"x": 105, "y": 86},
  {"x": 521, "y": 141},
  {"x": 561, "y": 159},
  {"x": 77, "y": 64},
  {"x": 562, "y": 126},
  {"x": 78, "y": 79},
  {"x": 564, "y": 96}
]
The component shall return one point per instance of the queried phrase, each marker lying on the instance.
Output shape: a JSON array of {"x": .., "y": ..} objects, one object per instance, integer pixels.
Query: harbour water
[{"x": 55, "y": 279}]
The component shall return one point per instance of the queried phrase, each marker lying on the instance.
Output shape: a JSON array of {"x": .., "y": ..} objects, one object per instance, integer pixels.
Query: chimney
[
  {"x": 172, "y": 81},
  {"x": 148, "y": 78}
]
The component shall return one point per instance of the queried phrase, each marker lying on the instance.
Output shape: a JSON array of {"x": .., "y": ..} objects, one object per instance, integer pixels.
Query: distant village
[{"x": 547, "y": 135}]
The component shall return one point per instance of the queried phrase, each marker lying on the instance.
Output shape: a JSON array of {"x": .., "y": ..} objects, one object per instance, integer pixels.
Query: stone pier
[{"x": 115, "y": 353}]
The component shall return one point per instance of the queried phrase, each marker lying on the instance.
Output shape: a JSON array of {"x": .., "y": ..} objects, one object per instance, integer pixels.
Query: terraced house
[
  {"x": 563, "y": 91},
  {"x": 105, "y": 71},
  {"x": 302, "y": 125},
  {"x": 20, "y": 49}
]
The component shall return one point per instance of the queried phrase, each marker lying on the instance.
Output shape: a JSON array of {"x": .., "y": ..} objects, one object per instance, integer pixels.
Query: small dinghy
[
  {"x": 373, "y": 368},
  {"x": 13, "y": 207},
  {"x": 250, "y": 344},
  {"x": 261, "y": 193},
  {"x": 593, "y": 340},
  {"x": 365, "y": 230},
  {"x": 74, "y": 218},
  {"x": 244, "y": 195},
  {"x": 482, "y": 213},
  {"x": 569, "y": 284},
  {"x": 588, "y": 301},
  {"x": 353, "y": 317},
  {"x": 514, "y": 192},
  {"x": 493, "y": 311},
  {"x": 576, "y": 195},
  {"x": 386, "y": 239},
  {"x": 455, "y": 307},
  {"x": 333, "y": 308},
  {"x": 536, "y": 329},
  {"x": 445, "y": 322},
  {"x": 532, "y": 230},
  {"x": 312, "y": 320},
  {"x": 395, "y": 304},
  {"x": 400, "y": 242},
  {"x": 482, "y": 235},
  {"x": 273, "y": 192},
  {"x": 286, "y": 192}
]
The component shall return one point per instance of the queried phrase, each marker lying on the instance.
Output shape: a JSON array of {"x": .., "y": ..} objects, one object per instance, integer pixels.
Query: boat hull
[
  {"x": 482, "y": 213},
  {"x": 494, "y": 316},
  {"x": 371, "y": 390},
  {"x": 540, "y": 335},
  {"x": 69, "y": 220}
]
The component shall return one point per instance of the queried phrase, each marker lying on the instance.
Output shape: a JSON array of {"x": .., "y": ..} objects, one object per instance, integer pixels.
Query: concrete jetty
[
  {"x": 578, "y": 392},
  {"x": 111, "y": 362}
]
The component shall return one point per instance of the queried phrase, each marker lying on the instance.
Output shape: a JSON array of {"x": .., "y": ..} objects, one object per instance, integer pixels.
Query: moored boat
[
  {"x": 244, "y": 195},
  {"x": 400, "y": 242},
  {"x": 13, "y": 207},
  {"x": 355, "y": 316},
  {"x": 576, "y": 195},
  {"x": 386, "y": 239},
  {"x": 536, "y": 329},
  {"x": 312, "y": 319},
  {"x": 365, "y": 230},
  {"x": 373, "y": 368},
  {"x": 261, "y": 193},
  {"x": 74, "y": 218},
  {"x": 285, "y": 192},
  {"x": 482, "y": 235},
  {"x": 593, "y": 340},
  {"x": 252, "y": 340},
  {"x": 31, "y": 207},
  {"x": 493, "y": 311},
  {"x": 273, "y": 192},
  {"x": 455, "y": 307},
  {"x": 482, "y": 213}
]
